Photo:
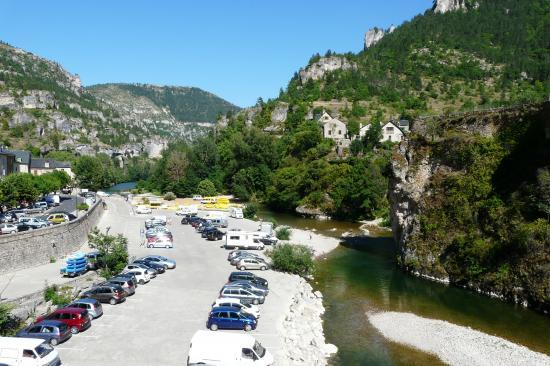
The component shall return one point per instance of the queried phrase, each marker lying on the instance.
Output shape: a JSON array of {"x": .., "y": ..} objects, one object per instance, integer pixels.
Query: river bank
[{"x": 454, "y": 344}]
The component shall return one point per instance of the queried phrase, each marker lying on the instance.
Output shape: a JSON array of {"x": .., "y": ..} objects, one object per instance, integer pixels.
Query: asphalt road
[{"x": 155, "y": 326}]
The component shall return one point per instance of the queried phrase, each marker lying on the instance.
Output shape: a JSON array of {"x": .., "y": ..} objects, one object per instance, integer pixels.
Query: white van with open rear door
[
  {"x": 236, "y": 212},
  {"x": 227, "y": 349},
  {"x": 27, "y": 352}
]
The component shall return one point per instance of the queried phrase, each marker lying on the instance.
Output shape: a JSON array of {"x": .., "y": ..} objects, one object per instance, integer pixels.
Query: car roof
[
  {"x": 226, "y": 308},
  {"x": 85, "y": 300},
  {"x": 55, "y": 323},
  {"x": 228, "y": 299},
  {"x": 17, "y": 342},
  {"x": 69, "y": 310},
  {"x": 235, "y": 273}
]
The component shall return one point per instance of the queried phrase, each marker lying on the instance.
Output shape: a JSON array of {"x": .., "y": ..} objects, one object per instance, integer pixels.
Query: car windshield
[
  {"x": 43, "y": 350},
  {"x": 260, "y": 351}
]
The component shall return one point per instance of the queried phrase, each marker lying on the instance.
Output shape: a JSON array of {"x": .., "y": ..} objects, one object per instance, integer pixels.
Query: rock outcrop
[
  {"x": 319, "y": 69},
  {"x": 374, "y": 35},
  {"x": 444, "y": 6}
]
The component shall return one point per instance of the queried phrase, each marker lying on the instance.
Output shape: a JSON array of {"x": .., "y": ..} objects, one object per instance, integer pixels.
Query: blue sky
[{"x": 237, "y": 49}]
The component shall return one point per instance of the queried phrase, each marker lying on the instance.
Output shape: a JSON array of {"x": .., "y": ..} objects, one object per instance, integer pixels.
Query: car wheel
[
  {"x": 247, "y": 328},
  {"x": 112, "y": 301},
  {"x": 213, "y": 327},
  {"x": 149, "y": 246},
  {"x": 243, "y": 268},
  {"x": 255, "y": 301},
  {"x": 141, "y": 282},
  {"x": 53, "y": 342},
  {"x": 263, "y": 268},
  {"x": 12, "y": 232},
  {"x": 167, "y": 246},
  {"x": 74, "y": 330}
]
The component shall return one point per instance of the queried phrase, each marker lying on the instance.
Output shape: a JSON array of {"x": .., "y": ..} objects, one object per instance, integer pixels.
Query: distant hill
[{"x": 184, "y": 103}]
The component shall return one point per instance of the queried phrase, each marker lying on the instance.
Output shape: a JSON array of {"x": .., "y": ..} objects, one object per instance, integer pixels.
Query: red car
[{"x": 76, "y": 319}]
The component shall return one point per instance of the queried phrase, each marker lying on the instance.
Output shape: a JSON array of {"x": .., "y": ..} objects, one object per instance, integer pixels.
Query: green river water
[{"x": 362, "y": 278}]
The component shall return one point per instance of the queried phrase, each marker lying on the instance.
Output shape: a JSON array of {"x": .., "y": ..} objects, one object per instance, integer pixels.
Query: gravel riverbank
[{"x": 454, "y": 344}]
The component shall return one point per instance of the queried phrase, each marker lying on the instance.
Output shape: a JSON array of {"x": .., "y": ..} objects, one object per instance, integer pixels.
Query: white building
[
  {"x": 333, "y": 128},
  {"x": 391, "y": 131}
]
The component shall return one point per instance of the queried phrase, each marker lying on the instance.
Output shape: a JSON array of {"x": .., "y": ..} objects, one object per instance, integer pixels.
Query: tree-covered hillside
[{"x": 184, "y": 103}]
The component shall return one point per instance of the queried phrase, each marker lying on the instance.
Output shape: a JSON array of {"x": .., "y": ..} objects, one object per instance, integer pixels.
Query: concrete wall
[{"x": 36, "y": 247}]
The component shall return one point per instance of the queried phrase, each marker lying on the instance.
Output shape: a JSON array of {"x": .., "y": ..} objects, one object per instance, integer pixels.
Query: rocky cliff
[
  {"x": 324, "y": 65},
  {"x": 465, "y": 198},
  {"x": 44, "y": 106},
  {"x": 443, "y": 6},
  {"x": 374, "y": 35}
]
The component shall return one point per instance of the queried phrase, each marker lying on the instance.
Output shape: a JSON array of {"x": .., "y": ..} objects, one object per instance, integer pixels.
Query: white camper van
[
  {"x": 242, "y": 240},
  {"x": 188, "y": 210},
  {"x": 227, "y": 349},
  {"x": 27, "y": 352},
  {"x": 236, "y": 212}
]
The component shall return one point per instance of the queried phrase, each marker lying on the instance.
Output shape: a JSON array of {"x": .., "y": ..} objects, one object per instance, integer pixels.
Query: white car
[
  {"x": 8, "y": 229},
  {"x": 236, "y": 303},
  {"x": 142, "y": 275},
  {"x": 160, "y": 242},
  {"x": 197, "y": 197},
  {"x": 143, "y": 210},
  {"x": 252, "y": 263}
]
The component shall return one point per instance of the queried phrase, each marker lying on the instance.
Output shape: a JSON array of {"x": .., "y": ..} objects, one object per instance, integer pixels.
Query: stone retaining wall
[{"x": 32, "y": 248}]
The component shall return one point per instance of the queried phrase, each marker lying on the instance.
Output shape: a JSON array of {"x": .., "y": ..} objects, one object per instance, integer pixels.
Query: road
[{"x": 155, "y": 326}]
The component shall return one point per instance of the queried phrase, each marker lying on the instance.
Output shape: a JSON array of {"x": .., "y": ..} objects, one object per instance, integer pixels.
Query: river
[
  {"x": 364, "y": 278},
  {"x": 120, "y": 187}
]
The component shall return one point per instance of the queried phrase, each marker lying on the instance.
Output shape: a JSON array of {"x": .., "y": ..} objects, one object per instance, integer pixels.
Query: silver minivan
[{"x": 242, "y": 294}]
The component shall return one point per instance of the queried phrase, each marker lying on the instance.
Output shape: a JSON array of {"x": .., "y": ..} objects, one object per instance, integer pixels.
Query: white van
[
  {"x": 187, "y": 210},
  {"x": 266, "y": 227},
  {"x": 227, "y": 349},
  {"x": 236, "y": 212},
  {"x": 27, "y": 352},
  {"x": 242, "y": 240}
]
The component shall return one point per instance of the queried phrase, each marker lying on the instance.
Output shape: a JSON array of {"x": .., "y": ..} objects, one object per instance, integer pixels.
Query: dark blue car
[{"x": 225, "y": 317}]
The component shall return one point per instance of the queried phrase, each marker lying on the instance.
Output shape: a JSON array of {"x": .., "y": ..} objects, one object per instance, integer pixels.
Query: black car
[
  {"x": 159, "y": 268},
  {"x": 187, "y": 218},
  {"x": 215, "y": 234},
  {"x": 206, "y": 230},
  {"x": 247, "y": 276},
  {"x": 24, "y": 227}
]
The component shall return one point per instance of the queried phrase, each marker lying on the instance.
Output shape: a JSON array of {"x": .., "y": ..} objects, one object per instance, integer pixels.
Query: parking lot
[{"x": 155, "y": 326}]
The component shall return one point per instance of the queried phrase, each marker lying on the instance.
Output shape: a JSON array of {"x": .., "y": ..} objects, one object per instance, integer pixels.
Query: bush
[
  {"x": 58, "y": 295},
  {"x": 296, "y": 259},
  {"x": 206, "y": 188},
  {"x": 114, "y": 250},
  {"x": 169, "y": 196},
  {"x": 283, "y": 233},
  {"x": 250, "y": 210},
  {"x": 9, "y": 324},
  {"x": 82, "y": 206}
]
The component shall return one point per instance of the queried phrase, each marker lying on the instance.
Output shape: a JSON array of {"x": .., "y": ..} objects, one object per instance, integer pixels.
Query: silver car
[
  {"x": 167, "y": 263},
  {"x": 250, "y": 286},
  {"x": 241, "y": 256},
  {"x": 252, "y": 263},
  {"x": 95, "y": 310},
  {"x": 242, "y": 294}
]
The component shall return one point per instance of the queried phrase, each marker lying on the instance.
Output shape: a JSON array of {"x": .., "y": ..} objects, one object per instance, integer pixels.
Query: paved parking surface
[{"x": 155, "y": 326}]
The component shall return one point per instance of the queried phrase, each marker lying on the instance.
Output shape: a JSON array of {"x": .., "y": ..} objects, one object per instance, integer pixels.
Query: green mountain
[{"x": 184, "y": 103}]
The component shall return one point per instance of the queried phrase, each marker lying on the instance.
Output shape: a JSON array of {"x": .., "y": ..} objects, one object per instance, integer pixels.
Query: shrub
[
  {"x": 169, "y": 196},
  {"x": 114, "y": 250},
  {"x": 58, "y": 295},
  {"x": 82, "y": 206},
  {"x": 283, "y": 233},
  {"x": 296, "y": 259},
  {"x": 206, "y": 188},
  {"x": 250, "y": 210},
  {"x": 9, "y": 324},
  {"x": 53, "y": 260}
]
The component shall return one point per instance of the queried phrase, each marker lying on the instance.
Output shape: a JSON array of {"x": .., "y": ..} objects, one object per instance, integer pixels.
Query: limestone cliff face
[
  {"x": 374, "y": 35},
  {"x": 325, "y": 65},
  {"x": 444, "y": 6}
]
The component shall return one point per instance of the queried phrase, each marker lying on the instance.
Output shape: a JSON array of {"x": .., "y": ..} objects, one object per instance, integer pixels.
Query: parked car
[
  {"x": 244, "y": 255},
  {"x": 230, "y": 318},
  {"x": 93, "y": 306},
  {"x": 143, "y": 210},
  {"x": 41, "y": 204},
  {"x": 7, "y": 217},
  {"x": 130, "y": 276},
  {"x": 28, "y": 352},
  {"x": 197, "y": 197},
  {"x": 236, "y": 212},
  {"x": 236, "y": 303},
  {"x": 34, "y": 222},
  {"x": 52, "y": 331},
  {"x": 206, "y": 230},
  {"x": 252, "y": 263},
  {"x": 142, "y": 275},
  {"x": 215, "y": 234},
  {"x": 250, "y": 286},
  {"x": 95, "y": 260},
  {"x": 168, "y": 263},
  {"x": 130, "y": 267},
  {"x": 77, "y": 319},
  {"x": 149, "y": 223},
  {"x": 112, "y": 294},
  {"x": 247, "y": 276},
  {"x": 242, "y": 294},
  {"x": 127, "y": 284},
  {"x": 196, "y": 222},
  {"x": 158, "y": 268},
  {"x": 8, "y": 229},
  {"x": 58, "y": 218},
  {"x": 160, "y": 242}
]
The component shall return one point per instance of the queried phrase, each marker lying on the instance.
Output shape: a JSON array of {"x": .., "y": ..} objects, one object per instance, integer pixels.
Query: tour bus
[
  {"x": 28, "y": 352},
  {"x": 242, "y": 240},
  {"x": 227, "y": 349}
]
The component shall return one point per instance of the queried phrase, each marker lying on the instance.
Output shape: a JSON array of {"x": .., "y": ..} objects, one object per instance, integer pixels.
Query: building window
[
  {"x": 339, "y": 132},
  {"x": 329, "y": 132},
  {"x": 389, "y": 129},
  {"x": 389, "y": 138}
]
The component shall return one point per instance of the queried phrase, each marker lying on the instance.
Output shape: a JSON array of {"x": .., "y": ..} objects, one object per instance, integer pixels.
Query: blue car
[{"x": 226, "y": 317}]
